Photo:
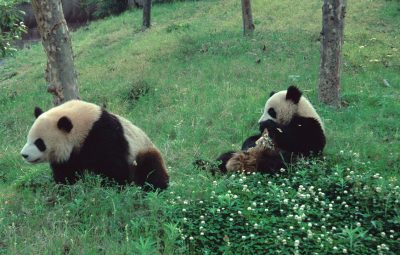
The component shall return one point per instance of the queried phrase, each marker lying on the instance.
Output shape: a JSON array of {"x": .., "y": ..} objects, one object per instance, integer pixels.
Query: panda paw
[{"x": 270, "y": 125}]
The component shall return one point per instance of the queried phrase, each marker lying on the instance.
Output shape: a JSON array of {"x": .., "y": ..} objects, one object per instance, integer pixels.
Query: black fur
[
  {"x": 37, "y": 112},
  {"x": 104, "y": 152},
  {"x": 269, "y": 164},
  {"x": 65, "y": 124},
  {"x": 294, "y": 94},
  {"x": 150, "y": 170},
  {"x": 40, "y": 144},
  {"x": 250, "y": 142},
  {"x": 302, "y": 136},
  {"x": 223, "y": 159}
]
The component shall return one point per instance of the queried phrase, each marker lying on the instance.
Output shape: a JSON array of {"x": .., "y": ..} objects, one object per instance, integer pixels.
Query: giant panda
[
  {"x": 294, "y": 129},
  {"x": 77, "y": 136}
]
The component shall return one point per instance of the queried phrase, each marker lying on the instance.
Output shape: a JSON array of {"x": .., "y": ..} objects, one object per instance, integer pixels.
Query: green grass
[{"x": 205, "y": 94}]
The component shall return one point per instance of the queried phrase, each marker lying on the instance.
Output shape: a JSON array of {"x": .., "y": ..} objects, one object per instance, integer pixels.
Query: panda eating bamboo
[{"x": 289, "y": 128}]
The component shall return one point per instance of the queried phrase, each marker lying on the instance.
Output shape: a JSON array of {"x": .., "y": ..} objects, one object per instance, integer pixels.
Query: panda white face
[
  {"x": 284, "y": 105},
  {"x": 281, "y": 107},
  {"x": 48, "y": 139},
  {"x": 34, "y": 151}
]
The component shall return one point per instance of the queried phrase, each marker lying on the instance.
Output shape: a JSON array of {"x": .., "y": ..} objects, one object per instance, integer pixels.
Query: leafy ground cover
[{"x": 197, "y": 87}]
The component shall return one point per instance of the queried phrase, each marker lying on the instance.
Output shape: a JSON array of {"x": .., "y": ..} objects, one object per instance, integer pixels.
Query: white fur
[
  {"x": 285, "y": 109},
  {"x": 137, "y": 139},
  {"x": 32, "y": 153},
  {"x": 60, "y": 144}
]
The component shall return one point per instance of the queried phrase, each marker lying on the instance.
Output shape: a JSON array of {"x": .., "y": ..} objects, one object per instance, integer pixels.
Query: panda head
[
  {"x": 282, "y": 106},
  {"x": 58, "y": 131}
]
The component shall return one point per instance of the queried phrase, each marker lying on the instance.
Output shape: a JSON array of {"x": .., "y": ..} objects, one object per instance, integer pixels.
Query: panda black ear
[
  {"x": 294, "y": 94},
  {"x": 37, "y": 112},
  {"x": 272, "y": 93},
  {"x": 65, "y": 124}
]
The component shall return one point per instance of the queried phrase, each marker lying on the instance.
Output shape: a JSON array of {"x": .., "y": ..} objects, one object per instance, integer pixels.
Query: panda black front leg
[
  {"x": 62, "y": 174},
  {"x": 250, "y": 142},
  {"x": 272, "y": 127}
]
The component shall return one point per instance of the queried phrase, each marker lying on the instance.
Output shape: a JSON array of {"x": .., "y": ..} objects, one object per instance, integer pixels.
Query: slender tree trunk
[
  {"x": 248, "y": 25},
  {"x": 333, "y": 13},
  {"x": 60, "y": 71},
  {"x": 146, "y": 14}
]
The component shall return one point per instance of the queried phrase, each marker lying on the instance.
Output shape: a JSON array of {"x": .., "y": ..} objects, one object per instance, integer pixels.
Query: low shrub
[
  {"x": 11, "y": 26},
  {"x": 313, "y": 208}
]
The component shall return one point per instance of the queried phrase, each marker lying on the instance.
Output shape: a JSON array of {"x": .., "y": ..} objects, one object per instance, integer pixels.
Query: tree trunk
[
  {"x": 248, "y": 25},
  {"x": 146, "y": 14},
  {"x": 60, "y": 72},
  {"x": 333, "y": 13}
]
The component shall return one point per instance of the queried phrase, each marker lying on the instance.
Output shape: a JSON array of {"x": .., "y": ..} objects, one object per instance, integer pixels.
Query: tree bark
[
  {"x": 146, "y": 14},
  {"x": 333, "y": 13},
  {"x": 60, "y": 72},
  {"x": 248, "y": 25}
]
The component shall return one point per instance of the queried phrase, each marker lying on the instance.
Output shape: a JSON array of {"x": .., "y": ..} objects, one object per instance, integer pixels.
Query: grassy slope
[{"x": 206, "y": 94}]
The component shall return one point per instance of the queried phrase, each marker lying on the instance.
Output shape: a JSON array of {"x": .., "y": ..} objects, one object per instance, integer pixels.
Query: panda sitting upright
[
  {"x": 290, "y": 127},
  {"x": 78, "y": 136}
]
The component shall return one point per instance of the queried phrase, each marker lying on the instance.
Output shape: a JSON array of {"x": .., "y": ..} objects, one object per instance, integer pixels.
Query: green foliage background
[{"x": 11, "y": 26}]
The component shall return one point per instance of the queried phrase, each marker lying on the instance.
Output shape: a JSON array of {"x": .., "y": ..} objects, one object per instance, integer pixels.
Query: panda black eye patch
[
  {"x": 40, "y": 144},
  {"x": 272, "y": 113}
]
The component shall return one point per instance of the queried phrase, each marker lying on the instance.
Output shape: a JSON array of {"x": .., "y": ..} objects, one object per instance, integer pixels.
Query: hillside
[{"x": 197, "y": 87}]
